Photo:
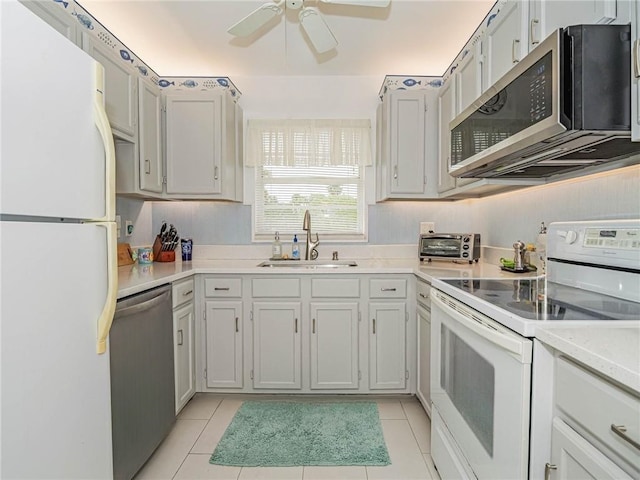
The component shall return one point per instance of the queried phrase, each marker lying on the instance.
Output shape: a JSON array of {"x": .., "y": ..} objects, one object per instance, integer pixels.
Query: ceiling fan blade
[
  {"x": 317, "y": 30},
  {"x": 360, "y": 3},
  {"x": 255, "y": 20}
]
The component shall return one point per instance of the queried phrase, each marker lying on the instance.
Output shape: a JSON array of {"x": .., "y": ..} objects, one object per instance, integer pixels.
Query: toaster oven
[{"x": 449, "y": 246}]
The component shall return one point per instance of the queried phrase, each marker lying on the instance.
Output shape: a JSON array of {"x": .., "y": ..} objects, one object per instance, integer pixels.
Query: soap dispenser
[
  {"x": 295, "y": 248},
  {"x": 541, "y": 247},
  {"x": 276, "y": 248}
]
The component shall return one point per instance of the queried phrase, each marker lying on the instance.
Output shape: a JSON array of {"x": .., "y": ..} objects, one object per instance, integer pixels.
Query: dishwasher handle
[{"x": 145, "y": 305}]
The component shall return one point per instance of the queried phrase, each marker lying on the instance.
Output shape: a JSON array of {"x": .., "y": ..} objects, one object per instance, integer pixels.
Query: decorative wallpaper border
[
  {"x": 94, "y": 28},
  {"x": 402, "y": 82}
]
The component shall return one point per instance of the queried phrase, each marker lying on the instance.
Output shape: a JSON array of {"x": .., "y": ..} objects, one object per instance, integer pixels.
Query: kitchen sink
[{"x": 309, "y": 263}]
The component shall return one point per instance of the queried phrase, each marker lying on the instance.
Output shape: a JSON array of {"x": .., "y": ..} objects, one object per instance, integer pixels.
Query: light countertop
[
  {"x": 611, "y": 349},
  {"x": 136, "y": 278}
]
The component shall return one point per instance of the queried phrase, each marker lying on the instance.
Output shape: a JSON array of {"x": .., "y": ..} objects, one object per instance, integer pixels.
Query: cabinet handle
[
  {"x": 514, "y": 51},
  {"x": 374, "y": 326},
  {"x": 313, "y": 327},
  {"x": 388, "y": 289},
  {"x": 621, "y": 431},
  {"x": 215, "y": 173},
  {"x": 187, "y": 293},
  {"x": 181, "y": 340},
  {"x": 296, "y": 326},
  {"x": 532, "y": 35},
  {"x": 636, "y": 58},
  {"x": 547, "y": 470},
  {"x": 395, "y": 172},
  {"x": 147, "y": 166},
  {"x": 224, "y": 289},
  {"x": 237, "y": 325},
  {"x": 423, "y": 295}
]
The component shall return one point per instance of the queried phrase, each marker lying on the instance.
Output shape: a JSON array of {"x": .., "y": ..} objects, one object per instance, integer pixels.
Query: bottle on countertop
[
  {"x": 276, "y": 248},
  {"x": 295, "y": 248},
  {"x": 541, "y": 248}
]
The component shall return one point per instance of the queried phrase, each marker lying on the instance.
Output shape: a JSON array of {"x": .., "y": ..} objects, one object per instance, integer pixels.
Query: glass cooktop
[{"x": 526, "y": 298}]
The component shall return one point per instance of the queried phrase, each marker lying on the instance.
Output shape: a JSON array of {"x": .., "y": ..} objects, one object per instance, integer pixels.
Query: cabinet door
[
  {"x": 150, "y": 106},
  {"x": 446, "y": 112},
  {"x": 505, "y": 40},
  {"x": 55, "y": 15},
  {"x": 424, "y": 362},
  {"x": 468, "y": 77},
  {"x": 194, "y": 137},
  {"x": 276, "y": 345},
  {"x": 334, "y": 345},
  {"x": 184, "y": 354},
  {"x": 575, "y": 458},
  {"x": 545, "y": 16},
  {"x": 120, "y": 89},
  {"x": 407, "y": 142},
  {"x": 635, "y": 71},
  {"x": 223, "y": 323},
  {"x": 387, "y": 346}
]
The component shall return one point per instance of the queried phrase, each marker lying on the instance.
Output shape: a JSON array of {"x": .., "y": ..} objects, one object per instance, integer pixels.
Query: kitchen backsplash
[{"x": 501, "y": 219}]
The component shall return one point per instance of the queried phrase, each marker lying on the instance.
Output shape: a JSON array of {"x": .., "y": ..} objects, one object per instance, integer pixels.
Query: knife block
[{"x": 162, "y": 256}]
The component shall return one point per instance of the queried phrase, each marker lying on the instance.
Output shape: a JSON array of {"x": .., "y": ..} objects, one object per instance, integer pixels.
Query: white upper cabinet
[
  {"x": 545, "y": 16},
  {"x": 468, "y": 76},
  {"x": 57, "y": 17},
  {"x": 505, "y": 40},
  {"x": 446, "y": 112},
  {"x": 201, "y": 146},
  {"x": 150, "y": 108},
  {"x": 121, "y": 87},
  {"x": 405, "y": 142}
]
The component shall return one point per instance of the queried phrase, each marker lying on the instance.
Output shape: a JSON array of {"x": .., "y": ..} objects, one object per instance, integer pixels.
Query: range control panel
[{"x": 622, "y": 238}]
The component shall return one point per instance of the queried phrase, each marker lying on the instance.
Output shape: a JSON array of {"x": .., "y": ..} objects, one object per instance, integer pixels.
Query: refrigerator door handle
[
  {"x": 102, "y": 123},
  {"x": 109, "y": 308}
]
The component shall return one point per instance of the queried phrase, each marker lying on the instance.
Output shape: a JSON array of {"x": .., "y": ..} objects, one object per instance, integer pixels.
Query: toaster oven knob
[
  {"x": 465, "y": 247},
  {"x": 465, "y": 254},
  {"x": 466, "y": 239}
]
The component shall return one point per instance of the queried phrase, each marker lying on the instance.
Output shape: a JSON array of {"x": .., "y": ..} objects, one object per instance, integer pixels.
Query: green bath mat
[{"x": 285, "y": 434}]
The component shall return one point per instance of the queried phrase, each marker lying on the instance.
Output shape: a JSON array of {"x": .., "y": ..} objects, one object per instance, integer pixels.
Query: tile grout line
[{"x": 422, "y": 454}]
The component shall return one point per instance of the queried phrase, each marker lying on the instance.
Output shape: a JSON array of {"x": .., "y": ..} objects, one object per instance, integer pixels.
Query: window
[{"x": 315, "y": 165}]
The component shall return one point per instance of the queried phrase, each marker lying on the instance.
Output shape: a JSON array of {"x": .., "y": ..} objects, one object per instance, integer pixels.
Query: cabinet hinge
[
  {"x": 205, "y": 373},
  {"x": 426, "y": 107},
  {"x": 406, "y": 316},
  {"x": 424, "y": 180},
  {"x": 406, "y": 374},
  {"x": 164, "y": 180},
  {"x": 251, "y": 319},
  {"x": 359, "y": 375},
  {"x": 204, "y": 315},
  {"x": 251, "y": 374},
  {"x": 359, "y": 316}
]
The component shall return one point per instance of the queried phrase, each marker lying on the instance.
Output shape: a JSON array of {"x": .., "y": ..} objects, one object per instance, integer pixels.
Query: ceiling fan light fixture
[
  {"x": 317, "y": 30},
  {"x": 255, "y": 20}
]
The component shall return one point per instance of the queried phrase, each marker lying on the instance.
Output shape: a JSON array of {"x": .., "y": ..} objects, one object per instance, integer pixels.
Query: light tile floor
[{"x": 185, "y": 453}]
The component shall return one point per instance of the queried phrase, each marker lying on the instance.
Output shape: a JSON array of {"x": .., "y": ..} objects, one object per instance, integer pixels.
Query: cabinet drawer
[
  {"x": 423, "y": 292},
  {"x": 335, "y": 287},
  {"x": 275, "y": 287},
  {"x": 387, "y": 288},
  {"x": 182, "y": 292},
  {"x": 222, "y": 287},
  {"x": 593, "y": 405}
]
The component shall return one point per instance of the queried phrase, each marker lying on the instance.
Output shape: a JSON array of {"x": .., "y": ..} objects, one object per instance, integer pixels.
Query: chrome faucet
[{"x": 311, "y": 246}]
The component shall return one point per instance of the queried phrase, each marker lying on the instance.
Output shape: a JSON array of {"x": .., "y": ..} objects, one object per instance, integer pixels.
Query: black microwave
[
  {"x": 449, "y": 246},
  {"x": 565, "y": 106}
]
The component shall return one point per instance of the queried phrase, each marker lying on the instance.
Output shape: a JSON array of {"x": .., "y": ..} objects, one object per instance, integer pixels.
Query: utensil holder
[{"x": 162, "y": 256}]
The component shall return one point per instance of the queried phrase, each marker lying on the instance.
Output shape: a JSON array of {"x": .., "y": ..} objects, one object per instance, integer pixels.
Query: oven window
[{"x": 468, "y": 380}]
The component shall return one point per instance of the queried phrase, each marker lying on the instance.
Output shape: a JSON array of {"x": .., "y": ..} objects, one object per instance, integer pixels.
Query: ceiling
[{"x": 189, "y": 38}]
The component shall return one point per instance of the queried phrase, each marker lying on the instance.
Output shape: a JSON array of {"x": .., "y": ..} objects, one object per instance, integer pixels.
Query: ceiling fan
[{"x": 310, "y": 19}]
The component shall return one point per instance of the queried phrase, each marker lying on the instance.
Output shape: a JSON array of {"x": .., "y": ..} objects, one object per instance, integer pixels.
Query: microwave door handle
[{"x": 514, "y": 346}]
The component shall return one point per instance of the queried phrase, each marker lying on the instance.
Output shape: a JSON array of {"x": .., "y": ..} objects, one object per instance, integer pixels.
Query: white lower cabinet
[
  {"x": 277, "y": 361},
  {"x": 223, "y": 325},
  {"x": 306, "y": 333},
  {"x": 387, "y": 343},
  {"x": 184, "y": 353},
  {"x": 423, "y": 389},
  {"x": 223, "y": 332},
  {"x": 334, "y": 345}
]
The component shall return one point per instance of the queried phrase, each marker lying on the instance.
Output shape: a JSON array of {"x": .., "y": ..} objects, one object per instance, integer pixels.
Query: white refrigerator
[{"x": 58, "y": 255}]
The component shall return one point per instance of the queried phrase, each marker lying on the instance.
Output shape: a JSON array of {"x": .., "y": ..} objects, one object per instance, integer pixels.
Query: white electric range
[{"x": 482, "y": 348}]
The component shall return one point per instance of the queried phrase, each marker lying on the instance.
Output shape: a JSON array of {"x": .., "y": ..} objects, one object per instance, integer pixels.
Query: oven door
[{"x": 480, "y": 385}]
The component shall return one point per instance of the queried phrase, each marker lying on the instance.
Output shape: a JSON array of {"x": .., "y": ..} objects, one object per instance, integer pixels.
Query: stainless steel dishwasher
[{"x": 142, "y": 381}]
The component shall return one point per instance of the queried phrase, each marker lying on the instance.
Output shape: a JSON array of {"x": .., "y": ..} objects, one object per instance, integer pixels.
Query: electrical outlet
[
  {"x": 119, "y": 225},
  {"x": 426, "y": 227},
  {"x": 128, "y": 225}
]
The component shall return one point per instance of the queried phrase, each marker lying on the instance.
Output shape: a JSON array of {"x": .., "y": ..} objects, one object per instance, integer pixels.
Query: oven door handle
[{"x": 482, "y": 325}]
